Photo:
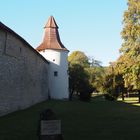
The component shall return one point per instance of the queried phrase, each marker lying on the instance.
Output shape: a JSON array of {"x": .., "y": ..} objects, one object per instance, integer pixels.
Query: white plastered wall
[{"x": 58, "y": 84}]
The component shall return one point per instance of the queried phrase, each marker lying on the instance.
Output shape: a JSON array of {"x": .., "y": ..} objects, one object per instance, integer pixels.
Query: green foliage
[
  {"x": 79, "y": 77},
  {"x": 109, "y": 97},
  {"x": 113, "y": 82},
  {"x": 85, "y": 75},
  {"x": 96, "y": 77},
  {"x": 129, "y": 62},
  {"x": 79, "y": 81},
  {"x": 78, "y": 57},
  {"x": 86, "y": 91}
]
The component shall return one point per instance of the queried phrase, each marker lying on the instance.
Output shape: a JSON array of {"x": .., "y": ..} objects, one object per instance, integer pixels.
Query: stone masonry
[{"x": 23, "y": 73}]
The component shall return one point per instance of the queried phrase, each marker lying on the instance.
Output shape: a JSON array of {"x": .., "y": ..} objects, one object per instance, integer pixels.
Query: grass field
[
  {"x": 131, "y": 100},
  {"x": 96, "y": 120}
]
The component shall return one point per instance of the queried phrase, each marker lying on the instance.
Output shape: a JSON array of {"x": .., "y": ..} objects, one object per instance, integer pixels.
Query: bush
[
  {"x": 110, "y": 97},
  {"x": 85, "y": 94}
]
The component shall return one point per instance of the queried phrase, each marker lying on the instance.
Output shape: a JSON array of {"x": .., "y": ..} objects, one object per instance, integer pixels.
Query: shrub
[
  {"x": 110, "y": 97},
  {"x": 85, "y": 94}
]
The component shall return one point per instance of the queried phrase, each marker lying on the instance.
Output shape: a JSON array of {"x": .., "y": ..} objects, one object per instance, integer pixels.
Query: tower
[{"x": 54, "y": 51}]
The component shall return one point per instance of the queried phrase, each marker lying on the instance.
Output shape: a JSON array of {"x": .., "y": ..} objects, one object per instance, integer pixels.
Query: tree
[
  {"x": 78, "y": 57},
  {"x": 96, "y": 77},
  {"x": 78, "y": 76},
  {"x": 117, "y": 80},
  {"x": 85, "y": 75},
  {"x": 93, "y": 62},
  {"x": 129, "y": 61},
  {"x": 79, "y": 82}
]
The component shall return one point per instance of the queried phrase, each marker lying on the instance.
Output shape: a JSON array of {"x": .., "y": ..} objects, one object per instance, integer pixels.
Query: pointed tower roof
[
  {"x": 51, "y": 38},
  {"x": 51, "y": 23}
]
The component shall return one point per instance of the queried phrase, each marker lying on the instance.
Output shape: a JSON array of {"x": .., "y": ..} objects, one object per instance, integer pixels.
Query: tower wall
[{"x": 58, "y": 73}]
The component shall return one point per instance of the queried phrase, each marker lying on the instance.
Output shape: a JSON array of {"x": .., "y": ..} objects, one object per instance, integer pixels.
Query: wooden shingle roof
[{"x": 51, "y": 38}]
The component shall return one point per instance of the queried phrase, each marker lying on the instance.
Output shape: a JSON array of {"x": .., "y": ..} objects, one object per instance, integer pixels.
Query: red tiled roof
[{"x": 51, "y": 38}]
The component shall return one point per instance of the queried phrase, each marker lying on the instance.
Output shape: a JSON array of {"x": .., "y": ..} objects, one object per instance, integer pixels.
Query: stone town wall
[{"x": 23, "y": 74}]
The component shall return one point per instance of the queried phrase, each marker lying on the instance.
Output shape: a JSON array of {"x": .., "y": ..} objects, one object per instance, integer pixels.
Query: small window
[{"x": 55, "y": 73}]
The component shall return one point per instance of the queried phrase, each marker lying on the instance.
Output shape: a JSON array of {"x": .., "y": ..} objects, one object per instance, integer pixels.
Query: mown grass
[
  {"x": 131, "y": 100},
  {"x": 96, "y": 120}
]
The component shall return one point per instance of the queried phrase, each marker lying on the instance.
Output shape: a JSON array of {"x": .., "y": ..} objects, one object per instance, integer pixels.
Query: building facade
[{"x": 29, "y": 76}]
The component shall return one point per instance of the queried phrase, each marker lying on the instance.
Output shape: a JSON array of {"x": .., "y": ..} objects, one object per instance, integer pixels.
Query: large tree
[
  {"x": 85, "y": 75},
  {"x": 114, "y": 82},
  {"x": 129, "y": 62},
  {"x": 79, "y": 82},
  {"x": 78, "y": 76}
]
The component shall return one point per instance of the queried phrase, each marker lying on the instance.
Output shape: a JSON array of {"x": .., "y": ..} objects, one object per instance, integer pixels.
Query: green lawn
[{"x": 97, "y": 120}]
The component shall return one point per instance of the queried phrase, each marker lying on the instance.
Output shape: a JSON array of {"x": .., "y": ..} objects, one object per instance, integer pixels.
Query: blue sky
[{"x": 91, "y": 26}]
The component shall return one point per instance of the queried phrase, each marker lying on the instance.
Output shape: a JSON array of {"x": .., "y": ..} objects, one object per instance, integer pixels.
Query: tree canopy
[
  {"x": 129, "y": 62},
  {"x": 84, "y": 75},
  {"x": 78, "y": 57}
]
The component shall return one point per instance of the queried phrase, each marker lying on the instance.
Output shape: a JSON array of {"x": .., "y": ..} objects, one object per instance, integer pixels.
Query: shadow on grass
[{"x": 98, "y": 120}]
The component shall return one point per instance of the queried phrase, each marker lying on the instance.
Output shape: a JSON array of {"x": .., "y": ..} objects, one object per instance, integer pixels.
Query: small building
[{"x": 54, "y": 51}]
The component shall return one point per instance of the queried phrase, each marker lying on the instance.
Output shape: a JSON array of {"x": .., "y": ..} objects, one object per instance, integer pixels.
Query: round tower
[{"x": 54, "y": 51}]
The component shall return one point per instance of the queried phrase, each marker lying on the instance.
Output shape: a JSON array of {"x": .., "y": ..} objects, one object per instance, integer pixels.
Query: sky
[{"x": 90, "y": 26}]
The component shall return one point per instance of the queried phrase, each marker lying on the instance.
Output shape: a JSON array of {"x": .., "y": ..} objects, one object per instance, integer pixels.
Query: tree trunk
[
  {"x": 122, "y": 96},
  {"x": 70, "y": 95}
]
